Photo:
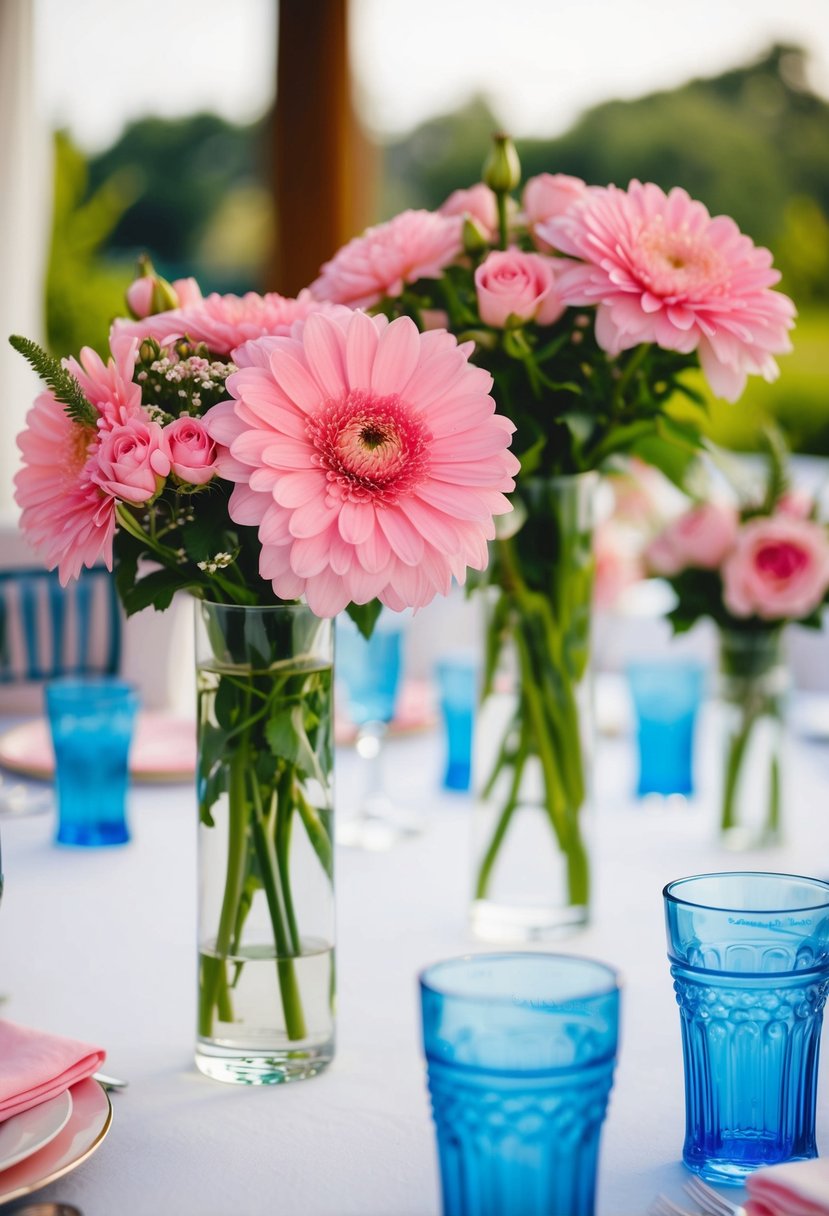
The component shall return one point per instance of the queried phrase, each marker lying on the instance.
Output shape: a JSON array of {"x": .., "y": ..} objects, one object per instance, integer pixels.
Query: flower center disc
[
  {"x": 370, "y": 446},
  {"x": 676, "y": 262}
]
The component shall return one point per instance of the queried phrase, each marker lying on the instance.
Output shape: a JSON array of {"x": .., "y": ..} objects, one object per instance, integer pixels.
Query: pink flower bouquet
[
  {"x": 281, "y": 460},
  {"x": 587, "y": 306},
  {"x": 751, "y": 566}
]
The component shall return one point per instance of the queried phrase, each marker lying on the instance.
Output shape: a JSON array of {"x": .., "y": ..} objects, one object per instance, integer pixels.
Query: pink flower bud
[
  {"x": 140, "y": 297},
  {"x": 547, "y": 196}
]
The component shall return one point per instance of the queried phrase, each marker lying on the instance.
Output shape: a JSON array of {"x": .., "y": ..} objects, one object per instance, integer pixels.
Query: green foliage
[
  {"x": 183, "y": 171},
  {"x": 84, "y": 284},
  {"x": 62, "y": 383}
]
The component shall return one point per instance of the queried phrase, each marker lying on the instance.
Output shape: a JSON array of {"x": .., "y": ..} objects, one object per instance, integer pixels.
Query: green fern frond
[{"x": 62, "y": 383}]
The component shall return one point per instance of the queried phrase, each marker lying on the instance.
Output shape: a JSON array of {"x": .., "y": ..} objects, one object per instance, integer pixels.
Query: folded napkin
[
  {"x": 798, "y": 1188},
  {"x": 35, "y": 1066}
]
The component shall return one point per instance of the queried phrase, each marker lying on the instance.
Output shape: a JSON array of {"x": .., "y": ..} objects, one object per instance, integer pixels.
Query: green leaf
[
  {"x": 62, "y": 383},
  {"x": 671, "y": 459},
  {"x": 531, "y": 458},
  {"x": 287, "y": 739},
  {"x": 157, "y": 590},
  {"x": 365, "y": 616}
]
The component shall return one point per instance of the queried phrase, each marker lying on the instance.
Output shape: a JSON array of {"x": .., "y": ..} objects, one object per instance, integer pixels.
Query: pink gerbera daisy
[
  {"x": 414, "y": 245},
  {"x": 370, "y": 457},
  {"x": 662, "y": 270},
  {"x": 65, "y": 516},
  {"x": 221, "y": 322}
]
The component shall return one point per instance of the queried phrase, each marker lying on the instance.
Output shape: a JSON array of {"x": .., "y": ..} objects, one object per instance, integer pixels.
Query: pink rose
[
  {"x": 192, "y": 451},
  {"x": 547, "y": 196},
  {"x": 513, "y": 283},
  {"x": 131, "y": 460},
  {"x": 779, "y": 568},
  {"x": 701, "y": 538},
  {"x": 477, "y": 202}
]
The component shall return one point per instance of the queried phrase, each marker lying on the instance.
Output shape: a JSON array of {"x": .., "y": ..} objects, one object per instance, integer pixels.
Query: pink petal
[
  {"x": 312, "y": 517},
  {"x": 325, "y": 346},
  {"x": 286, "y": 453},
  {"x": 374, "y": 553},
  {"x": 361, "y": 343},
  {"x": 405, "y": 540},
  {"x": 246, "y": 506},
  {"x": 362, "y": 585},
  {"x": 356, "y": 521},
  {"x": 309, "y": 554},
  {"x": 433, "y": 526},
  {"x": 453, "y": 500},
  {"x": 397, "y": 357},
  {"x": 296, "y": 489},
  {"x": 273, "y": 530},
  {"x": 326, "y": 594},
  {"x": 295, "y": 381},
  {"x": 222, "y": 424}
]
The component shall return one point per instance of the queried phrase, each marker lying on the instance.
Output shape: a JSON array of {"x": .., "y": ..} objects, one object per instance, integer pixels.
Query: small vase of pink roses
[{"x": 753, "y": 566}]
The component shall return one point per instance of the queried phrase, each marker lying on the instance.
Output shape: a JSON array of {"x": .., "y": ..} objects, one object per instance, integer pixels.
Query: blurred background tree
[{"x": 751, "y": 143}]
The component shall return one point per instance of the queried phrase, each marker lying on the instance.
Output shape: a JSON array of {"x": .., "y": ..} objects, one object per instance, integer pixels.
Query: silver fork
[{"x": 708, "y": 1203}]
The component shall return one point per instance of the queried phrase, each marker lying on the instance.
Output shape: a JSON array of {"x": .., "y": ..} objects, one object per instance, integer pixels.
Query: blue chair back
[{"x": 48, "y": 631}]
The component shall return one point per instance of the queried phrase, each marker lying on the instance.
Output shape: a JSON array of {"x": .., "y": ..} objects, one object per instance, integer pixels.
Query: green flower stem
[
  {"x": 503, "y": 820},
  {"x": 549, "y": 628},
  {"x": 317, "y": 832},
  {"x": 213, "y": 991},
  {"x": 295, "y": 1026}
]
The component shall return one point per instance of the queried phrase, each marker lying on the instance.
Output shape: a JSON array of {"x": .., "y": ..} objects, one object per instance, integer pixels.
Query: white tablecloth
[{"x": 99, "y": 945}]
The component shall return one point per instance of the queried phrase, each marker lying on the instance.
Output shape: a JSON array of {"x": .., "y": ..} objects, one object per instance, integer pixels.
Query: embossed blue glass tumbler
[
  {"x": 666, "y": 696},
  {"x": 91, "y": 722},
  {"x": 749, "y": 956},
  {"x": 520, "y": 1051}
]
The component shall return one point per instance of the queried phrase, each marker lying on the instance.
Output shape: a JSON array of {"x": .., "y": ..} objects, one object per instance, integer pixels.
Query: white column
[{"x": 25, "y": 203}]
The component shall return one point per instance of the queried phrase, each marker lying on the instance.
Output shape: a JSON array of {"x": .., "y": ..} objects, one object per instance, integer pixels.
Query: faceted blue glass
[
  {"x": 520, "y": 1051},
  {"x": 370, "y": 669},
  {"x": 750, "y": 961}
]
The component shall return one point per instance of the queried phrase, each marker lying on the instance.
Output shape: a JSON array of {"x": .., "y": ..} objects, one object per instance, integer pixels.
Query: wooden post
[{"x": 322, "y": 164}]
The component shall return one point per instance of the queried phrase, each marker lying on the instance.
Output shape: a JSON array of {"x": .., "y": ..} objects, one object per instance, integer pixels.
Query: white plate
[
  {"x": 24, "y": 1134},
  {"x": 88, "y": 1124}
]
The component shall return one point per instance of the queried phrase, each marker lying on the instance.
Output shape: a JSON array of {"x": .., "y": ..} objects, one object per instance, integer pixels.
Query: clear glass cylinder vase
[
  {"x": 265, "y": 855},
  {"x": 534, "y": 730},
  {"x": 753, "y": 695}
]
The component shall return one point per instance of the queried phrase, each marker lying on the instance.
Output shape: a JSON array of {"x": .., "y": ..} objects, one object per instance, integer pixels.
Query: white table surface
[{"x": 99, "y": 945}]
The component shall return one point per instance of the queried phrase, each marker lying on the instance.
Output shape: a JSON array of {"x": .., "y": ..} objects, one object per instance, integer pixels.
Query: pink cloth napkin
[
  {"x": 35, "y": 1066},
  {"x": 798, "y": 1188}
]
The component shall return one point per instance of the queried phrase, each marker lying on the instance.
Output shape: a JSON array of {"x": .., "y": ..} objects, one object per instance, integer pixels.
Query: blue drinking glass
[
  {"x": 370, "y": 668},
  {"x": 520, "y": 1052},
  {"x": 749, "y": 956},
  {"x": 369, "y": 671},
  {"x": 457, "y": 678},
  {"x": 91, "y": 722},
  {"x": 666, "y": 696}
]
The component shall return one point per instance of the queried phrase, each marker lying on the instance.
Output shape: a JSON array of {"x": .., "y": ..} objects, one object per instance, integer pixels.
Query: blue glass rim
[
  {"x": 72, "y": 689},
  {"x": 669, "y": 895},
  {"x": 612, "y": 977}
]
